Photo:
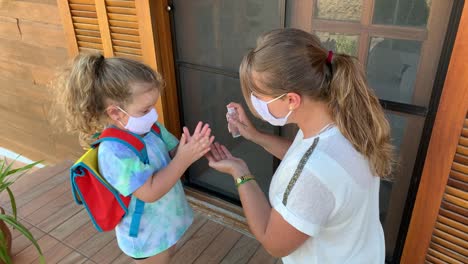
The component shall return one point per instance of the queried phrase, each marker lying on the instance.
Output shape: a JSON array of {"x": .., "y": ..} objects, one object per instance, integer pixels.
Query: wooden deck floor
[{"x": 66, "y": 234}]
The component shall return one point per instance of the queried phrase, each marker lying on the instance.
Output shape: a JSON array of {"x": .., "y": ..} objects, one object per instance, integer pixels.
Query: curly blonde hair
[{"x": 83, "y": 90}]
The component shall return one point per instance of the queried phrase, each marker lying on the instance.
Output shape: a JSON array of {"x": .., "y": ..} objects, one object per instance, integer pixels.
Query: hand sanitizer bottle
[{"x": 231, "y": 112}]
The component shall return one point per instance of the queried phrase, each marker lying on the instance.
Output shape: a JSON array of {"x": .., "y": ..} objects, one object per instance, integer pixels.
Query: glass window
[
  {"x": 218, "y": 33},
  {"x": 402, "y": 12},
  {"x": 198, "y": 104},
  {"x": 339, "y": 42},
  {"x": 391, "y": 68},
  {"x": 339, "y": 9}
]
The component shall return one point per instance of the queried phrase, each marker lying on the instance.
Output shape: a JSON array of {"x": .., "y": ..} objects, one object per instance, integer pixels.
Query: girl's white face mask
[
  {"x": 141, "y": 125},
  {"x": 262, "y": 109}
]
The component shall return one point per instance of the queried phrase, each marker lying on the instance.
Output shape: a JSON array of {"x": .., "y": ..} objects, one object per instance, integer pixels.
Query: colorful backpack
[{"x": 105, "y": 205}]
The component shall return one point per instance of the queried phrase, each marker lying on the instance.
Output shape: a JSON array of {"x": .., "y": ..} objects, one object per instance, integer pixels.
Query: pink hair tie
[{"x": 330, "y": 57}]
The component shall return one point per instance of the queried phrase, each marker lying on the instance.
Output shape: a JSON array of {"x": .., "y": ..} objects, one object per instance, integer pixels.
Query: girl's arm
[{"x": 188, "y": 151}]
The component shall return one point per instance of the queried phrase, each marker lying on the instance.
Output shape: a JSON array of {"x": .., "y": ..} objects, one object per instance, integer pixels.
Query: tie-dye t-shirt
[{"x": 163, "y": 222}]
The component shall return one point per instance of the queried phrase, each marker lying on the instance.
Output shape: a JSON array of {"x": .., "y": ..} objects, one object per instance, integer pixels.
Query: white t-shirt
[{"x": 335, "y": 200}]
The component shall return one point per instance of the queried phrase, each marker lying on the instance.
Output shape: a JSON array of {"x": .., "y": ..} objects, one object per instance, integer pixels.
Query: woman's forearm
[
  {"x": 256, "y": 208},
  {"x": 275, "y": 145}
]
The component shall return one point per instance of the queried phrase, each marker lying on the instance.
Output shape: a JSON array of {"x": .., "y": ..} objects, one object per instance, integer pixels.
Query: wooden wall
[{"x": 32, "y": 48}]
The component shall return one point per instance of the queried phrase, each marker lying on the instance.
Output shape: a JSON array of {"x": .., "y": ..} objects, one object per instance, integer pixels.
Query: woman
[{"x": 324, "y": 197}]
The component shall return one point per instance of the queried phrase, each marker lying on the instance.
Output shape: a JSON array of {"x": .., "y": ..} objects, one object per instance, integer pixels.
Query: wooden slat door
[
  {"x": 438, "y": 231},
  {"x": 124, "y": 29},
  {"x": 449, "y": 242}
]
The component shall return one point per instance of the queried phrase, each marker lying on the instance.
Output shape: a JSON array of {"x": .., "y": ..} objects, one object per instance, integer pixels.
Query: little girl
[{"x": 96, "y": 93}]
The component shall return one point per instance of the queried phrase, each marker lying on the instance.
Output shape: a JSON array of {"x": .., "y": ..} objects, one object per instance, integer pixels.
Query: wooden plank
[
  {"x": 89, "y": 39},
  {"x": 104, "y": 28},
  {"x": 117, "y": 3},
  {"x": 38, "y": 12},
  {"x": 108, "y": 253},
  {"x": 55, "y": 253},
  {"x": 198, "y": 221},
  {"x": 443, "y": 257},
  {"x": 43, "y": 35},
  {"x": 80, "y": 7},
  {"x": 34, "y": 179},
  {"x": 124, "y": 24},
  {"x": 195, "y": 246},
  {"x": 124, "y": 43},
  {"x": 85, "y": 32},
  {"x": 454, "y": 208},
  {"x": 44, "y": 200},
  {"x": 41, "y": 189},
  {"x": 122, "y": 10},
  {"x": 85, "y": 20},
  {"x": 86, "y": 26},
  {"x": 455, "y": 240},
  {"x": 9, "y": 28},
  {"x": 457, "y": 192},
  {"x": 86, "y": 2},
  {"x": 162, "y": 39},
  {"x": 220, "y": 246},
  {"x": 73, "y": 258},
  {"x": 117, "y": 36},
  {"x": 394, "y": 32},
  {"x": 60, "y": 216},
  {"x": 79, "y": 13},
  {"x": 120, "y": 17},
  {"x": 261, "y": 256},
  {"x": 30, "y": 254},
  {"x": 21, "y": 242},
  {"x": 459, "y": 176},
  {"x": 71, "y": 225},
  {"x": 80, "y": 235},
  {"x": 301, "y": 14},
  {"x": 30, "y": 54},
  {"x": 130, "y": 56},
  {"x": 440, "y": 12},
  {"x": 453, "y": 231},
  {"x": 45, "y": 213},
  {"x": 121, "y": 30},
  {"x": 463, "y": 141},
  {"x": 456, "y": 200},
  {"x": 128, "y": 50},
  {"x": 68, "y": 28},
  {"x": 462, "y": 150},
  {"x": 123, "y": 259},
  {"x": 96, "y": 243},
  {"x": 460, "y": 167},
  {"x": 242, "y": 251},
  {"x": 90, "y": 45},
  {"x": 449, "y": 252}
]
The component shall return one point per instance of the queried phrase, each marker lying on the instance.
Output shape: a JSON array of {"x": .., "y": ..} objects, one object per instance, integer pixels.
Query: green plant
[{"x": 8, "y": 176}]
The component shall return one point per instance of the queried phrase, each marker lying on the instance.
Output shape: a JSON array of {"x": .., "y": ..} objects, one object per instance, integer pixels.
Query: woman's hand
[
  {"x": 222, "y": 160},
  {"x": 193, "y": 147},
  {"x": 243, "y": 123}
]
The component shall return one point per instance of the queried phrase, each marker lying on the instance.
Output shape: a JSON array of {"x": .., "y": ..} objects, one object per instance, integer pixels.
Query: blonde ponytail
[{"x": 358, "y": 113}]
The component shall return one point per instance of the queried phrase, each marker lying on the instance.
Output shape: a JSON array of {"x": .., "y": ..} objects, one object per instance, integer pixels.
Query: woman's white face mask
[{"x": 262, "y": 109}]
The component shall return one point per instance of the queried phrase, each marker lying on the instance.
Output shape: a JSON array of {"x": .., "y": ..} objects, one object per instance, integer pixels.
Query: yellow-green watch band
[{"x": 244, "y": 179}]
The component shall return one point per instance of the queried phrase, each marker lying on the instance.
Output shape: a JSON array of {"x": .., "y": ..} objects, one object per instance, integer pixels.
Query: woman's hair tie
[{"x": 329, "y": 61}]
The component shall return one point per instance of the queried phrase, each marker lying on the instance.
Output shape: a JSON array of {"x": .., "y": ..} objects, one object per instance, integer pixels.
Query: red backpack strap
[
  {"x": 131, "y": 140},
  {"x": 156, "y": 130}
]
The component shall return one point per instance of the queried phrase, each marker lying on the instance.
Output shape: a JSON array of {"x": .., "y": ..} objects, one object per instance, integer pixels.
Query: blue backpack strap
[
  {"x": 136, "y": 219},
  {"x": 136, "y": 144}
]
